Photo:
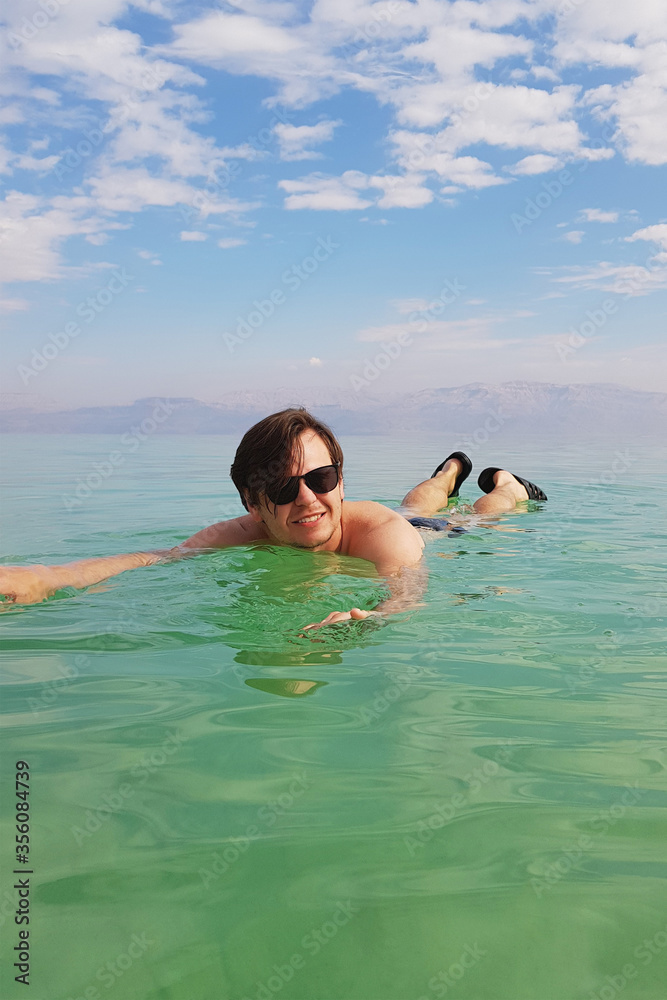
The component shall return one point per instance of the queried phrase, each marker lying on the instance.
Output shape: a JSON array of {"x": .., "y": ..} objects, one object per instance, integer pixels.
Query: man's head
[{"x": 286, "y": 444}]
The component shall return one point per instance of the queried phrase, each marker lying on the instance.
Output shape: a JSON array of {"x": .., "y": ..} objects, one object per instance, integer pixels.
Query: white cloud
[
  {"x": 11, "y": 114},
  {"x": 42, "y": 165},
  {"x": 423, "y": 61},
  {"x": 597, "y": 215},
  {"x": 123, "y": 190},
  {"x": 537, "y": 163},
  {"x": 151, "y": 257},
  {"x": 218, "y": 36},
  {"x": 507, "y": 118},
  {"x": 452, "y": 51},
  {"x": 294, "y": 140},
  {"x": 574, "y": 236},
  {"x": 13, "y": 305},
  {"x": 654, "y": 234},
  {"x": 628, "y": 280},
  {"x": 153, "y": 7},
  {"x": 228, "y": 242},
  {"x": 146, "y": 131},
  {"x": 98, "y": 239},
  {"x": 420, "y": 151},
  {"x": 5, "y": 159},
  {"x": 544, "y": 73},
  {"x": 33, "y": 230},
  {"x": 315, "y": 362},
  {"x": 341, "y": 194},
  {"x": 473, "y": 334},
  {"x": 630, "y": 37},
  {"x": 406, "y": 306},
  {"x": 252, "y": 45},
  {"x": 425, "y": 328},
  {"x": 10, "y": 161},
  {"x": 193, "y": 236},
  {"x": 327, "y": 193},
  {"x": 406, "y": 191}
]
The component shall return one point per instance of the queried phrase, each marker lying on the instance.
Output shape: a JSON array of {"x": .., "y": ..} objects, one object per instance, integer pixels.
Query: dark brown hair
[{"x": 266, "y": 452}]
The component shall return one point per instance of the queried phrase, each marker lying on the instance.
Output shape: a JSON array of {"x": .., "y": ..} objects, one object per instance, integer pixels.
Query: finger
[
  {"x": 327, "y": 621},
  {"x": 331, "y": 619}
]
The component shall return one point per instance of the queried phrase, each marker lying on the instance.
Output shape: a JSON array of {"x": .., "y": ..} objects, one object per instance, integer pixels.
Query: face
[{"x": 312, "y": 520}]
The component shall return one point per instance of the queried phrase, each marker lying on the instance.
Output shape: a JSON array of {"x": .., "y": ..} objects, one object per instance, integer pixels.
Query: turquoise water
[{"x": 468, "y": 802}]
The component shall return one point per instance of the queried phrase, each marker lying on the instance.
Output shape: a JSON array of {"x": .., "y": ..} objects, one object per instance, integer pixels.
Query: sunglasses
[{"x": 322, "y": 480}]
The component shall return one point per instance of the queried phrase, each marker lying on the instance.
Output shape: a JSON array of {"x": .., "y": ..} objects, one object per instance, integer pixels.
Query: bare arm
[
  {"x": 31, "y": 584},
  {"x": 397, "y": 556},
  {"x": 239, "y": 531},
  {"x": 407, "y": 588}
]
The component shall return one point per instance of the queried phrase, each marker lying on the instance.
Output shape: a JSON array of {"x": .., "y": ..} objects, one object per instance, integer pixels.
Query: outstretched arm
[{"x": 31, "y": 584}]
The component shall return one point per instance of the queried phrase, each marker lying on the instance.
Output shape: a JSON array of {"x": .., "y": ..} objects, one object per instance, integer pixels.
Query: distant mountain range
[{"x": 524, "y": 408}]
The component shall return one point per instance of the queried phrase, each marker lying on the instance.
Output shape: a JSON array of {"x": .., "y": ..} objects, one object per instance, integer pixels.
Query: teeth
[{"x": 307, "y": 520}]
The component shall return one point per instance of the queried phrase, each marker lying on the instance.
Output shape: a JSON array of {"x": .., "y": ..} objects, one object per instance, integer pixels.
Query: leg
[
  {"x": 506, "y": 494},
  {"x": 429, "y": 497}
]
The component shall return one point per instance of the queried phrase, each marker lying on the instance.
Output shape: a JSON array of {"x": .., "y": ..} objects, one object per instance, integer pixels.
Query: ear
[
  {"x": 342, "y": 488},
  {"x": 254, "y": 512}
]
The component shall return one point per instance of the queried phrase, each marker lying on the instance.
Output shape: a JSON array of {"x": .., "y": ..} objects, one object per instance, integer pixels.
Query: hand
[
  {"x": 355, "y": 614},
  {"x": 23, "y": 585}
]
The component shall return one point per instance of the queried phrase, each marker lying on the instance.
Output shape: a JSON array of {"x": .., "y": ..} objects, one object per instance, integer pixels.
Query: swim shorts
[{"x": 436, "y": 524}]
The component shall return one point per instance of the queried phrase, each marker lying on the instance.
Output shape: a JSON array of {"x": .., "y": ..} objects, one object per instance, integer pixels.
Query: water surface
[{"x": 466, "y": 802}]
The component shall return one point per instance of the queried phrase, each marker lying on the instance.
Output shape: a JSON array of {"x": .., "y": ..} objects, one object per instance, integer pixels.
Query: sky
[{"x": 203, "y": 198}]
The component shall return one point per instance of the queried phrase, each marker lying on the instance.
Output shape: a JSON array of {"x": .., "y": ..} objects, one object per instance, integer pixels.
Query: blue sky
[{"x": 205, "y": 198}]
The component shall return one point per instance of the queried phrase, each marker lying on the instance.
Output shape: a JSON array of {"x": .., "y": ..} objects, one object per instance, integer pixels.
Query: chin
[{"x": 314, "y": 542}]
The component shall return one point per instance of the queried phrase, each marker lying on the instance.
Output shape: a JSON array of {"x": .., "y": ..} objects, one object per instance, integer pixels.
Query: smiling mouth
[{"x": 312, "y": 519}]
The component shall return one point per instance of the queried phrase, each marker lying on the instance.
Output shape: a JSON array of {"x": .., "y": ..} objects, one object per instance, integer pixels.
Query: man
[{"x": 288, "y": 470}]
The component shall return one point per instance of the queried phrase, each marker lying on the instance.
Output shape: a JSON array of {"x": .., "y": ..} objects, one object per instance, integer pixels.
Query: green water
[{"x": 468, "y": 802}]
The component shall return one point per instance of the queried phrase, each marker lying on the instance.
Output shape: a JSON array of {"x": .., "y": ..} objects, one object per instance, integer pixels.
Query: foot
[
  {"x": 506, "y": 482},
  {"x": 489, "y": 482},
  {"x": 465, "y": 468},
  {"x": 432, "y": 495},
  {"x": 507, "y": 492},
  {"x": 448, "y": 474}
]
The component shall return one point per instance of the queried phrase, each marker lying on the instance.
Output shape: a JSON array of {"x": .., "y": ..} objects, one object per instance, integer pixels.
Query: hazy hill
[{"x": 522, "y": 408}]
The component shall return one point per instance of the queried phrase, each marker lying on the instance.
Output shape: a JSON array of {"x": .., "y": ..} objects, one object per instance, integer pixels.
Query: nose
[{"x": 305, "y": 496}]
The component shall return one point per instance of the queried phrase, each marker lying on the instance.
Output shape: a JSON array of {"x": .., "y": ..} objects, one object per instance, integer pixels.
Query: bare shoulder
[
  {"x": 380, "y": 535},
  {"x": 239, "y": 531},
  {"x": 365, "y": 514}
]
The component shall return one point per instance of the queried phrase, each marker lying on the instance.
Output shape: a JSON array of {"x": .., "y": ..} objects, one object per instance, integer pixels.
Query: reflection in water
[
  {"x": 286, "y": 687},
  {"x": 298, "y": 658}
]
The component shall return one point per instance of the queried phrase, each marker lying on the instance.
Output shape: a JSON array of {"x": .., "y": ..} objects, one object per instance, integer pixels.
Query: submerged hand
[{"x": 355, "y": 614}]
